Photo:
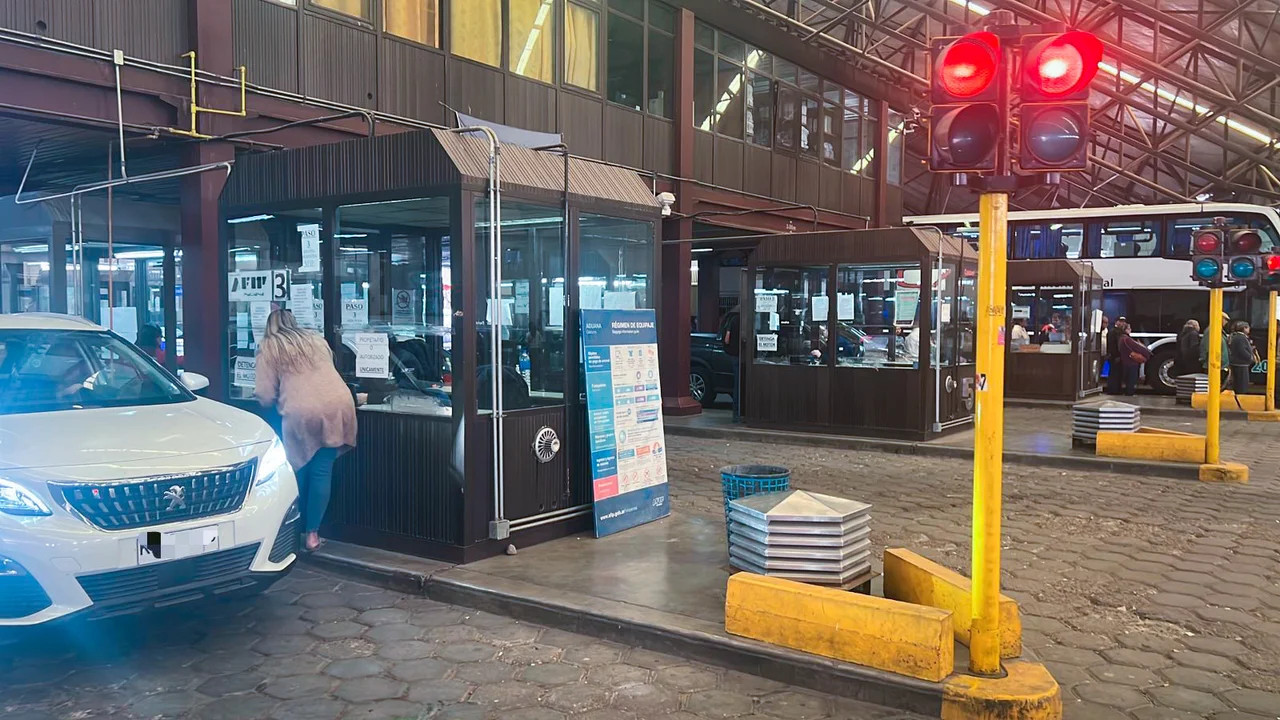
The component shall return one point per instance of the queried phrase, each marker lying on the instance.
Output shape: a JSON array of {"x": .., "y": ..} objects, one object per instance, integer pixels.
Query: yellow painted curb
[
  {"x": 1029, "y": 692},
  {"x": 1226, "y": 472},
  {"x": 907, "y": 639},
  {"x": 1152, "y": 444},
  {"x": 915, "y": 579},
  {"x": 1265, "y": 416},
  {"x": 1247, "y": 403}
]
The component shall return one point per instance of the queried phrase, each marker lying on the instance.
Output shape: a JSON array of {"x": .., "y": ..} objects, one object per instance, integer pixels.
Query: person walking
[
  {"x": 1242, "y": 357},
  {"x": 1187, "y": 361},
  {"x": 296, "y": 374},
  {"x": 1132, "y": 355},
  {"x": 1115, "y": 374}
]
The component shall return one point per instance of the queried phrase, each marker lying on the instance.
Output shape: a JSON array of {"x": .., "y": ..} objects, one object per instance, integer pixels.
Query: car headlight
[
  {"x": 271, "y": 462},
  {"x": 17, "y": 500}
]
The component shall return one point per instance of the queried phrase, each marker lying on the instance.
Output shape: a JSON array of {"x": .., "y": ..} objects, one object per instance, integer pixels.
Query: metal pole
[
  {"x": 1214, "y": 416},
  {"x": 1271, "y": 353},
  {"x": 988, "y": 450}
]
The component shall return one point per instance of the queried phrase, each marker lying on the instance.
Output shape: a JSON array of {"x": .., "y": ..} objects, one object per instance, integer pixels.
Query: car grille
[
  {"x": 156, "y": 500},
  {"x": 150, "y": 580},
  {"x": 286, "y": 541},
  {"x": 21, "y": 595}
]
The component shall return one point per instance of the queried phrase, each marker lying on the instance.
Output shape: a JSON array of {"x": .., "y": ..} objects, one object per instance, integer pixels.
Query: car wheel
[
  {"x": 1160, "y": 373},
  {"x": 700, "y": 388}
]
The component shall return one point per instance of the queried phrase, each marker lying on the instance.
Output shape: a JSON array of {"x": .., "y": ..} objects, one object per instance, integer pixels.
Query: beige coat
[{"x": 314, "y": 403}]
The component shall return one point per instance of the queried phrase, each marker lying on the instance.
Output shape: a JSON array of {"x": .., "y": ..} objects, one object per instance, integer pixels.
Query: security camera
[{"x": 666, "y": 199}]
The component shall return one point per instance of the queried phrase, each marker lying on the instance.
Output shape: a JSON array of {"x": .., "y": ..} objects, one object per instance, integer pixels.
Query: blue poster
[{"x": 624, "y": 418}]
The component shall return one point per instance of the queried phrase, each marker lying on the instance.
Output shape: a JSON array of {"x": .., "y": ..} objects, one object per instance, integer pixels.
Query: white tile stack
[
  {"x": 1186, "y": 385},
  {"x": 801, "y": 536},
  {"x": 1087, "y": 419}
]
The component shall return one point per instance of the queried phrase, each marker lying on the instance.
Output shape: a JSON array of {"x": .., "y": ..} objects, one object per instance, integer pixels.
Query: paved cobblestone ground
[
  {"x": 1148, "y": 598},
  {"x": 318, "y": 648}
]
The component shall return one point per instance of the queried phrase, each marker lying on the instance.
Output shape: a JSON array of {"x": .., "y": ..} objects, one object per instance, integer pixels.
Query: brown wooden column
[
  {"x": 880, "y": 213},
  {"x": 204, "y": 300},
  {"x": 677, "y": 282}
]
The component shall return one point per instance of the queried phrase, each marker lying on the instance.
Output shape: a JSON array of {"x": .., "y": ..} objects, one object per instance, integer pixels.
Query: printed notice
[
  {"x": 258, "y": 314},
  {"x": 355, "y": 312},
  {"x": 373, "y": 357},
  {"x": 845, "y": 309},
  {"x": 767, "y": 343},
  {"x": 310, "y": 248},
  {"x": 766, "y": 302},
  {"x": 246, "y": 372},
  {"x": 253, "y": 286},
  {"x": 821, "y": 307},
  {"x": 402, "y": 307}
]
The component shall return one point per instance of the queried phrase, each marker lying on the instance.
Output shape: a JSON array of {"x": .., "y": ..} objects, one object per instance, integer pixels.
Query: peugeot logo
[{"x": 177, "y": 497}]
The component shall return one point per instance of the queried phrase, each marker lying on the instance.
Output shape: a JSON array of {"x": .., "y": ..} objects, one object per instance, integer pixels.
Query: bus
[{"x": 1142, "y": 253}]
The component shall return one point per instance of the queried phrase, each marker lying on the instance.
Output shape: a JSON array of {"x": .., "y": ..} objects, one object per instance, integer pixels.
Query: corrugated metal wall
[{"x": 149, "y": 29}]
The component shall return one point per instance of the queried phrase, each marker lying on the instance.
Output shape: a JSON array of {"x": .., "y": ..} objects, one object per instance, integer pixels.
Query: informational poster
[
  {"x": 821, "y": 307},
  {"x": 845, "y": 308},
  {"x": 302, "y": 304},
  {"x": 906, "y": 300},
  {"x": 246, "y": 372},
  {"x": 1021, "y": 311},
  {"x": 373, "y": 356},
  {"x": 258, "y": 314},
  {"x": 310, "y": 248},
  {"x": 258, "y": 285},
  {"x": 624, "y": 418},
  {"x": 402, "y": 307},
  {"x": 355, "y": 312}
]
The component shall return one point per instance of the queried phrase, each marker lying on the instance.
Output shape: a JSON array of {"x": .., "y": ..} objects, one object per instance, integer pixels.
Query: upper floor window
[
  {"x": 362, "y": 9},
  {"x": 581, "y": 40},
  {"x": 640, "y": 66},
  {"x": 476, "y": 29},
  {"x": 416, "y": 20}
]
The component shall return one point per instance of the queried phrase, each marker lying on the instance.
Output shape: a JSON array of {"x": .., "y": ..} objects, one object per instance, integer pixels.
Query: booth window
[
  {"x": 968, "y": 314},
  {"x": 531, "y": 307},
  {"x": 266, "y": 257},
  {"x": 946, "y": 328},
  {"x": 1047, "y": 312},
  {"x": 394, "y": 278},
  {"x": 615, "y": 263},
  {"x": 416, "y": 20},
  {"x": 791, "y": 316},
  {"x": 581, "y": 59},
  {"x": 475, "y": 30},
  {"x": 877, "y": 310}
]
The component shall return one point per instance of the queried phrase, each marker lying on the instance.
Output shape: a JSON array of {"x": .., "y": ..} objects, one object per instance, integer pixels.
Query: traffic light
[
  {"x": 1244, "y": 247},
  {"x": 1207, "y": 246},
  {"x": 1054, "y": 89},
  {"x": 1271, "y": 272},
  {"x": 966, "y": 121}
]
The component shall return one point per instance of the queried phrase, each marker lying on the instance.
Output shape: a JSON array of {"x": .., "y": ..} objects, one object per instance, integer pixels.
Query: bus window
[
  {"x": 1180, "y": 230},
  {"x": 1027, "y": 241},
  {"x": 1128, "y": 238},
  {"x": 1066, "y": 238}
]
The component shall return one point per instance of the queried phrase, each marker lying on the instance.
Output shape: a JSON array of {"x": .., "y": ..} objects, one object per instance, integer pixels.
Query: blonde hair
[{"x": 288, "y": 346}]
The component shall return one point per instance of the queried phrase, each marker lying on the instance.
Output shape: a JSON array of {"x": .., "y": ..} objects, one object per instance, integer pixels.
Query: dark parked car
[{"x": 710, "y": 364}]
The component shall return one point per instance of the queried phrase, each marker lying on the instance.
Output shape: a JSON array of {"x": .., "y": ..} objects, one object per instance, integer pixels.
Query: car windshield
[{"x": 49, "y": 370}]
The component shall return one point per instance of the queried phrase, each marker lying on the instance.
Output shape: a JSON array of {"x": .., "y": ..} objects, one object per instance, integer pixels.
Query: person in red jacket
[{"x": 1132, "y": 356}]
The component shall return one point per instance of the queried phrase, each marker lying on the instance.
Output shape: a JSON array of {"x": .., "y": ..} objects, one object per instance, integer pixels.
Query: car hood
[{"x": 127, "y": 434}]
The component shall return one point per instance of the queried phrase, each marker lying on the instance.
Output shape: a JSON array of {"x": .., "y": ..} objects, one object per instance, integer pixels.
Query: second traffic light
[
  {"x": 966, "y": 122},
  {"x": 1222, "y": 257},
  {"x": 1054, "y": 89}
]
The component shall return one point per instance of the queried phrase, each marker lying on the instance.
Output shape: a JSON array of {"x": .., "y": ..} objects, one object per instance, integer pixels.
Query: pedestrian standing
[
  {"x": 1204, "y": 350},
  {"x": 1132, "y": 356},
  {"x": 1242, "y": 356},
  {"x": 295, "y": 372},
  {"x": 1187, "y": 361},
  {"x": 1115, "y": 373}
]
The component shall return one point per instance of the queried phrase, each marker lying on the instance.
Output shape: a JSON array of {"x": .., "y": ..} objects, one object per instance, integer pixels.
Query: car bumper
[{"x": 60, "y": 567}]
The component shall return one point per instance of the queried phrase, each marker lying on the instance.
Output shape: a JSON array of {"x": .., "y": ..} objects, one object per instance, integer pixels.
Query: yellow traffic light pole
[
  {"x": 988, "y": 446},
  {"x": 1214, "y": 411}
]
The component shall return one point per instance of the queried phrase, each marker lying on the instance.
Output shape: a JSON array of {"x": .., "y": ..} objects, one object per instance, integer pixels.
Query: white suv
[{"x": 120, "y": 490}]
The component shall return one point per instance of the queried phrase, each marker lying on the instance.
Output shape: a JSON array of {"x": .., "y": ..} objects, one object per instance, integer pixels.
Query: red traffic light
[
  {"x": 967, "y": 67},
  {"x": 1207, "y": 242},
  {"x": 1245, "y": 241},
  {"x": 1060, "y": 66},
  {"x": 1271, "y": 263}
]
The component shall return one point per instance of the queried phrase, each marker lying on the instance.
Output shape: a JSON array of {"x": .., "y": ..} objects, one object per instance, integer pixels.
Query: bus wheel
[{"x": 1160, "y": 373}]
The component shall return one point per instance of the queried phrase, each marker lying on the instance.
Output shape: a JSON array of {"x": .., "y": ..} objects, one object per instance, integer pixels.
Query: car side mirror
[{"x": 195, "y": 382}]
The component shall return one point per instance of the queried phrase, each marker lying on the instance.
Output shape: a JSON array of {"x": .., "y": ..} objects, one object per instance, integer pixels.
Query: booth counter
[
  {"x": 387, "y": 246},
  {"x": 1054, "y": 330},
  {"x": 866, "y": 332}
]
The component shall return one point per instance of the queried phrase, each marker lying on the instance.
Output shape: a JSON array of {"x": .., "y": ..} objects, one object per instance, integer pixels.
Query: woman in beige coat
[{"x": 296, "y": 374}]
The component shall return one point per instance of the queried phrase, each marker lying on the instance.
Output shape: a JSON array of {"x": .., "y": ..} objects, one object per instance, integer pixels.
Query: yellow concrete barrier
[
  {"x": 1152, "y": 444},
  {"x": 915, "y": 579},
  {"x": 1231, "y": 402},
  {"x": 1225, "y": 472},
  {"x": 898, "y": 637},
  {"x": 1264, "y": 416},
  {"x": 1027, "y": 692}
]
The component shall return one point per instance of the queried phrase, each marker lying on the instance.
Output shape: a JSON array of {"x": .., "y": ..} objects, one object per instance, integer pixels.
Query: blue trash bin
[{"x": 739, "y": 481}]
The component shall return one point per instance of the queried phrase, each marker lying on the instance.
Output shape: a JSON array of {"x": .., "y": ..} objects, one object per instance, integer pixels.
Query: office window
[
  {"x": 531, "y": 40},
  {"x": 729, "y": 99},
  {"x": 809, "y": 126},
  {"x": 832, "y": 131},
  {"x": 897, "y": 136},
  {"x": 355, "y": 8},
  {"x": 625, "y": 84},
  {"x": 662, "y": 17},
  {"x": 870, "y": 130},
  {"x": 634, "y": 8},
  {"x": 759, "y": 109},
  {"x": 581, "y": 54},
  {"x": 786, "y": 125},
  {"x": 475, "y": 31},
  {"x": 1128, "y": 238},
  {"x": 416, "y": 20},
  {"x": 854, "y": 109},
  {"x": 704, "y": 36},
  {"x": 704, "y": 88},
  {"x": 661, "y": 60}
]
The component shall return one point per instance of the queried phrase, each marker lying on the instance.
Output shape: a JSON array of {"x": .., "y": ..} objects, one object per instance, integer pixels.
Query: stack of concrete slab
[
  {"x": 1187, "y": 385},
  {"x": 1088, "y": 419},
  {"x": 802, "y": 536}
]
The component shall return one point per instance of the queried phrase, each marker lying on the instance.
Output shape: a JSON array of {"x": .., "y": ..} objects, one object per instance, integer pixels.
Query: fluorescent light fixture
[
  {"x": 1056, "y": 226},
  {"x": 1204, "y": 197},
  {"x": 24, "y": 249},
  {"x": 248, "y": 218},
  {"x": 140, "y": 255},
  {"x": 350, "y": 235},
  {"x": 703, "y": 250}
]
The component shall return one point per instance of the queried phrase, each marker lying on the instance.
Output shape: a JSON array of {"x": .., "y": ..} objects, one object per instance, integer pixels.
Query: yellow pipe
[
  {"x": 1214, "y": 417},
  {"x": 988, "y": 451},
  {"x": 194, "y": 107},
  {"x": 1271, "y": 353}
]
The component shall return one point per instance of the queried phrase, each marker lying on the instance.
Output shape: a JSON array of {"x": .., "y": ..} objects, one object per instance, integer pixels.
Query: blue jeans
[{"x": 315, "y": 481}]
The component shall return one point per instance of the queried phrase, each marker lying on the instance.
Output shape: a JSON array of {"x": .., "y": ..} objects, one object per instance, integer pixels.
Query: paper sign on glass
[
  {"x": 844, "y": 306},
  {"x": 766, "y": 302},
  {"x": 258, "y": 314},
  {"x": 355, "y": 312},
  {"x": 767, "y": 343},
  {"x": 246, "y": 372},
  {"x": 821, "y": 307},
  {"x": 373, "y": 357},
  {"x": 620, "y": 300},
  {"x": 310, "y": 248}
]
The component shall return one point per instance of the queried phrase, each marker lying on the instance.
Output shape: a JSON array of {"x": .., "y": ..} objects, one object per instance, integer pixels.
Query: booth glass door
[{"x": 955, "y": 333}]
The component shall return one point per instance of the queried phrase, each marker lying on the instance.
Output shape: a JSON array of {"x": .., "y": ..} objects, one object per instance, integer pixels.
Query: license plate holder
[{"x": 156, "y": 546}]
